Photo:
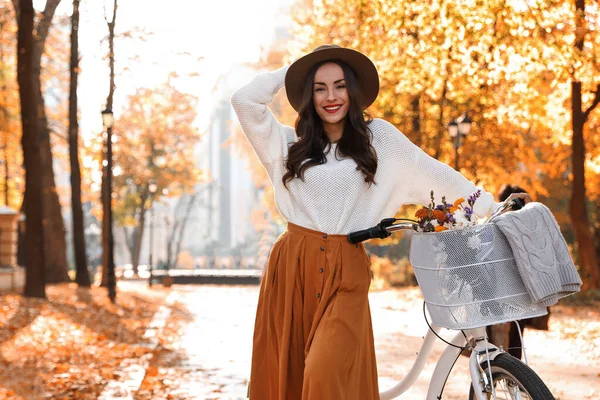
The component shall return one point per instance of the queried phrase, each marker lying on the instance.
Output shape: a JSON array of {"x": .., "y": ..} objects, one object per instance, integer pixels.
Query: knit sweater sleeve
[
  {"x": 426, "y": 173},
  {"x": 266, "y": 135}
]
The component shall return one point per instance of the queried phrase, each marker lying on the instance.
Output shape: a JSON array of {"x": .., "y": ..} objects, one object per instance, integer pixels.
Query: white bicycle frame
[{"x": 482, "y": 348}]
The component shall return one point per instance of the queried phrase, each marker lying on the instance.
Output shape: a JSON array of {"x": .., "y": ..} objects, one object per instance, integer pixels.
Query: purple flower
[{"x": 472, "y": 198}]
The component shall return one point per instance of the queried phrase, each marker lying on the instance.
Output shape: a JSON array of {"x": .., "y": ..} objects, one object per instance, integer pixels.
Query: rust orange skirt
[{"x": 313, "y": 338}]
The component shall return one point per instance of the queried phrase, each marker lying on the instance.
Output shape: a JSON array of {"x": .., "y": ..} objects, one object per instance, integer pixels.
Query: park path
[{"x": 216, "y": 346}]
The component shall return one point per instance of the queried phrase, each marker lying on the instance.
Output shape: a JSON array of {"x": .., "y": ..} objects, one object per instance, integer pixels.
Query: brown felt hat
[{"x": 365, "y": 70}]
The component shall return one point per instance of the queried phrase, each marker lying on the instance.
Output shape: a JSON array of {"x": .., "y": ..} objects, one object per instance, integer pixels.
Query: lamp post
[
  {"x": 152, "y": 189},
  {"x": 108, "y": 245},
  {"x": 458, "y": 128}
]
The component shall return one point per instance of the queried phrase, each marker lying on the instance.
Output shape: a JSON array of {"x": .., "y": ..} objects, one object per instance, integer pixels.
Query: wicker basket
[{"x": 469, "y": 278}]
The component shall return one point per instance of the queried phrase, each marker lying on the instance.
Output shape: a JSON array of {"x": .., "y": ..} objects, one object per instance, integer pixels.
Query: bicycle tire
[{"x": 517, "y": 375}]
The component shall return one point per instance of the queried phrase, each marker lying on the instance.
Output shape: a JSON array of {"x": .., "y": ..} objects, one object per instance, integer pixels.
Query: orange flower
[
  {"x": 422, "y": 213},
  {"x": 439, "y": 215},
  {"x": 440, "y": 228},
  {"x": 454, "y": 208},
  {"x": 459, "y": 201}
]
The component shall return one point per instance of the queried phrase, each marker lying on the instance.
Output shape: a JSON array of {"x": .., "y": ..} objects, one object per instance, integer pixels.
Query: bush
[{"x": 391, "y": 273}]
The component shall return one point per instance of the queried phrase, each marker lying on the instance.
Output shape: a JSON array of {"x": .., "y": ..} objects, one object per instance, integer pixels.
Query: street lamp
[
  {"x": 152, "y": 189},
  {"x": 458, "y": 128},
  {"x": 108, "y": 242}
]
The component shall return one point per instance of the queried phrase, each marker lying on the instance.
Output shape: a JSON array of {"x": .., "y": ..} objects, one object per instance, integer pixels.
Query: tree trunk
[
  {"x": 83, "y": 276},
  {"x": 35, "y": 285},
  {"x": 597, "y": 231},
  {"x": 107, "y": 234},
  {"x": 129, "y": 240},
  {"x": 588, "y": 262},
  {"x": 184, "y": 221},
  {"x": 441, "y": 133},
  {"x": 103, "y": 201},
  {"x": 416, "y": 119},
  {"x": 172, "y": 234},
  {"x": 54, "y": 232},
  {"x": 139, "y": 234},
  {"x": 170, "y": 240}
]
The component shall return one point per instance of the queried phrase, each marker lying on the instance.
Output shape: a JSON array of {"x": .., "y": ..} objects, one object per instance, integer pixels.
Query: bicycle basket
[{"x": 469, "y": 278}]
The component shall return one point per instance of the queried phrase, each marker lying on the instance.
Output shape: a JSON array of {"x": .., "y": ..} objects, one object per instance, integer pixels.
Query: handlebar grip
[
  {"x": 360, "y": 236},
  {"x": 517, "y": 204}
]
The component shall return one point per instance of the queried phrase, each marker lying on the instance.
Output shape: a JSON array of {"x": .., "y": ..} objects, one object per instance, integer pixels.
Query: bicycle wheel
[{"x": 514, "y": 380}]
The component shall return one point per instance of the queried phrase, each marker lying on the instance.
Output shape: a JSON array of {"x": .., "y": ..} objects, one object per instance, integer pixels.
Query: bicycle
[{"x": 469, "y": 281}]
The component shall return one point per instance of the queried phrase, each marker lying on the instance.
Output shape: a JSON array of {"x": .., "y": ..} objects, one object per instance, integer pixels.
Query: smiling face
[{"x": 330, "y": 97}]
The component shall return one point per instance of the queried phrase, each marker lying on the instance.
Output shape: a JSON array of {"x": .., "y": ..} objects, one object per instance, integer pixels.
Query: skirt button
[{"x": 322, "y": 248}]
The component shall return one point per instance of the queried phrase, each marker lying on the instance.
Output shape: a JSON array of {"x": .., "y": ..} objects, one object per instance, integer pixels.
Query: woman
[{"x": 337, "y": 172}]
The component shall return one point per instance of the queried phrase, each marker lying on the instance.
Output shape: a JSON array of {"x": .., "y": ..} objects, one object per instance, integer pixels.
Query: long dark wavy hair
[{"x": 312, "y": 139}]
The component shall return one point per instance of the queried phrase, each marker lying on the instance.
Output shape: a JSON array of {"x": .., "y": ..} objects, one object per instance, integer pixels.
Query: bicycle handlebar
[
  {"x": 387, "y": 226},
  {"x": 378, "y": 231},
  {"x": 381, "y": 230}
]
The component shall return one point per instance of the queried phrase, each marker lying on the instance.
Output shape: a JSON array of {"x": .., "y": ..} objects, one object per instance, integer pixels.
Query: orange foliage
[
  {"x": 508, "y": 64},
  {"x": 155, "y": 139},
  {"x": 10, "y": 118},
  {"x": 271, "y": 59},
  {"x": 69, "y": 345}
]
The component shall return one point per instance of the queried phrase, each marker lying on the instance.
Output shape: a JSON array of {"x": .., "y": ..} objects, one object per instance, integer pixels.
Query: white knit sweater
[{"x": 334, "y": 198}]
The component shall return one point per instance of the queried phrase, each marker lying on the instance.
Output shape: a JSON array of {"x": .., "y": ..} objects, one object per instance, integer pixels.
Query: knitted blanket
[{"x": 541, "y": 253}]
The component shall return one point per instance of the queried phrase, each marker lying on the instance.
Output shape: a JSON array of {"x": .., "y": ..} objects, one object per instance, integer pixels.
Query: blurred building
[{"x": 223, "y": 219}]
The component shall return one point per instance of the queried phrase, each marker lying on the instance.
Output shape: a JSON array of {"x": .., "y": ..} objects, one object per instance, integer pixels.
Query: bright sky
[{"x": 200, "y": 36}]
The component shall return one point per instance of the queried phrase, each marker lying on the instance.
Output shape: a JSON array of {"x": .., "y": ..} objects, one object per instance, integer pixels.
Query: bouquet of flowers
[{"x": 447, "y": 216}]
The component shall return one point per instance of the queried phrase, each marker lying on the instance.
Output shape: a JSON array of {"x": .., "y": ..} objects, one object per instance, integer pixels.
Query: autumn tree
[
  {"x": 54, "y": 230},
  {"x": 82, "y": 277},
  {"x": 155, "y": 141},
  {"x": 35, "y": 282},
  {"x": 106, "y": 194},
  {"x": 177, "y": 224},
  {"x": 583, "y": 64},
  {"x": 509, "y": 64},
  {"x": 11, "y": 176}
]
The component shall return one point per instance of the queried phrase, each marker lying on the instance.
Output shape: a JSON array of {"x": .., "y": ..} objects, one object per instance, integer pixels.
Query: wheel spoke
[
  {"x": 513, "y": 380},
  {"x": 509, "y": 389}
]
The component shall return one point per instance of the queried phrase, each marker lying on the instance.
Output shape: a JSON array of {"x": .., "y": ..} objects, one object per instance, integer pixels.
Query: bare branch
[
  {"x": 62, "y": 136},
  {"x": 111, "y": 54},
  {"x": 42, "y": 29},
  {"x": 593, "y": 105},
  {"x": 114, "y": 16},
  {"x": 184, "y": 221}
]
